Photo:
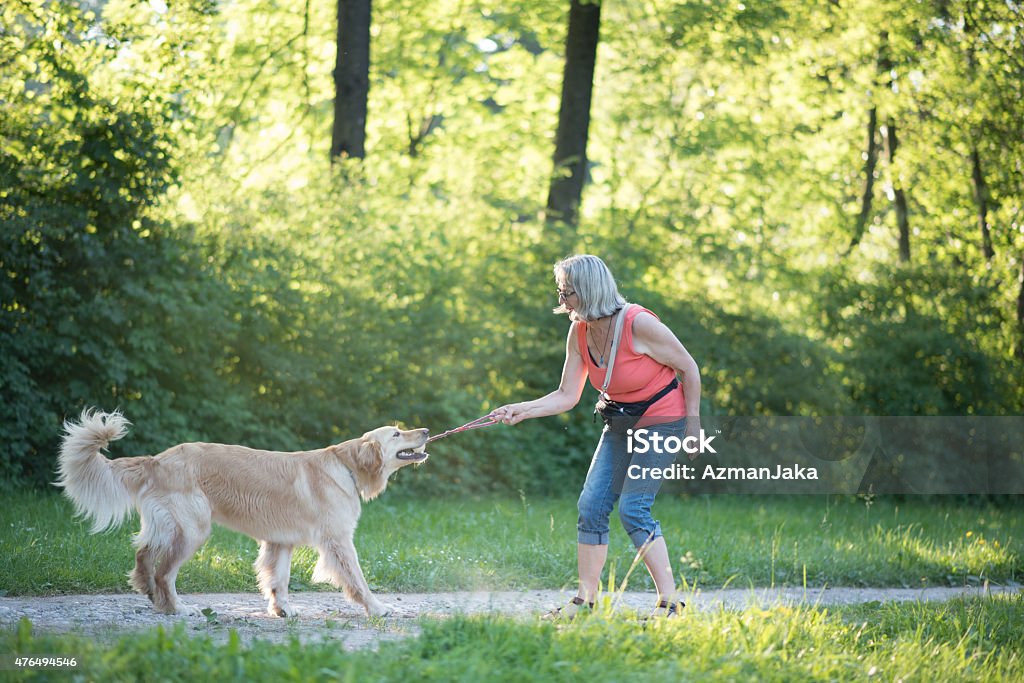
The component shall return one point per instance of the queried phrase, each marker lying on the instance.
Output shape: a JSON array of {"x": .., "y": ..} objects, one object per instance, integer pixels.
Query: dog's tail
[{"x": 87, "y": 476}]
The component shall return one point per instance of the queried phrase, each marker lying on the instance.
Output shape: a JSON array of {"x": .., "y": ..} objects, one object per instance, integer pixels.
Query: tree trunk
[
  {"x": 885, "y": 67},
  {"x": 351, "y": 80},
  {"x": 977, "y": 176},
  {"x": 899, "y": 197},
  {"x": 981, "y": 199},
  {"x": 1020, "y": 311},
  {"x": 570, "y": 161},
  {"x": 869, "y": 180}
]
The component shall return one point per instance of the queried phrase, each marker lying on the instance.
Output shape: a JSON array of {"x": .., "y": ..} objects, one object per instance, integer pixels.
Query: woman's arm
[
  {"x": 653, "y": 338},
  {"x": 565, "y": 397}
]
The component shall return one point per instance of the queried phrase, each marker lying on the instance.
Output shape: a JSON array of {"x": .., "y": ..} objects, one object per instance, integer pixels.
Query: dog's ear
[{"x": 370, "y": 456}]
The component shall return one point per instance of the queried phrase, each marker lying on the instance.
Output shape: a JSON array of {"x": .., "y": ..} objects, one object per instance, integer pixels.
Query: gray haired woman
[{"x": 651, "y": 366}]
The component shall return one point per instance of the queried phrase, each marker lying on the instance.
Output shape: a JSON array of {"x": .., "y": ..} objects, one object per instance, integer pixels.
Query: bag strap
[{"x": 619, "y": 322}]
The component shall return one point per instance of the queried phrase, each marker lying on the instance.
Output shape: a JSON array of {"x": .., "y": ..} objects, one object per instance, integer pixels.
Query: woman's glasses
[{"x": 564, "y": 294}]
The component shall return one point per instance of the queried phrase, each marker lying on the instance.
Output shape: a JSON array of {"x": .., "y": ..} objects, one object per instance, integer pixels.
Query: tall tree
[
  {"x": 870, "y": 161},
  {"x": 981, "y": 200},
  {"x": 1019, "y": 352},
  {"x": 570, "y": 161},
  {"x": 351, "y": 79},
  {"x": 981, "y": 194},
  {"x": 891, "y": 146},
  {"x": 899, "y": 196}
]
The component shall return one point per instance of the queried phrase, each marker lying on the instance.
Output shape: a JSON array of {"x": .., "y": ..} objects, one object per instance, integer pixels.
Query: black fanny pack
[{"x": 621, "y": 417}]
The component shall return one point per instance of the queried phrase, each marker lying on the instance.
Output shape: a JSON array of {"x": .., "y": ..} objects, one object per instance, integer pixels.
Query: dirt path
[{"x": 328, "y": 616}]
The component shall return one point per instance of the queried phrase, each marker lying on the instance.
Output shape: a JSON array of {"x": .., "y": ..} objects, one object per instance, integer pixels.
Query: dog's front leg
[
  {"x": 273, "y": 567},
  {"x": 339, "y": 566}
]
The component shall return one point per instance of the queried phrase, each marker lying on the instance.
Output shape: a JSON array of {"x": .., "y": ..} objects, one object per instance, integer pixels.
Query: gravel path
[{"x": 327, "y": 616}]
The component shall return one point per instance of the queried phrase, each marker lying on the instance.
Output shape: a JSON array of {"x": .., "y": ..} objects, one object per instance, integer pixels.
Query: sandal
[
  {"x": 570, "y": 611},
  {"x": 667, "y": 610}
]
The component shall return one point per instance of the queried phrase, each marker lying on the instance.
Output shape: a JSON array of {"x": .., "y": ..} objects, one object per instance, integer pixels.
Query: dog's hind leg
[
  {"x": 191, "y": 532},
  {"x": 273, "y": 567},
  {"x": 141, "y": 576},
  {"x": 165, "y": 597},
  {"x": 339, "y": 565},
  {"x": 151, "y": 543}
]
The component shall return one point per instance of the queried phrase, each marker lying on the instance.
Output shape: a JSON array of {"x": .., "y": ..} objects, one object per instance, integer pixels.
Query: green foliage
[
  {"x": 915, "y": 344},
  {"x": 78, "y": 169},
  {"x": 175, "y": 243}
]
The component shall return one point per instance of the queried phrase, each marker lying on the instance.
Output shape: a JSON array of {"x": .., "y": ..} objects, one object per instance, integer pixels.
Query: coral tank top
[{"x": 636, "y": 376}]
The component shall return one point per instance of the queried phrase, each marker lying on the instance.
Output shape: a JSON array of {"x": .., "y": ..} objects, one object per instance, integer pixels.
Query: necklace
[{"x": 604, "y": 342}]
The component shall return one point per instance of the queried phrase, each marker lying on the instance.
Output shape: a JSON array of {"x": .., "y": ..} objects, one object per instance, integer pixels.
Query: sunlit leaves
[{"x": 175, "y": 242}]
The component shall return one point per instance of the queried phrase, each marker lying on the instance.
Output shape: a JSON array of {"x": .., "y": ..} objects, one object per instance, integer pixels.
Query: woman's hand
[
  {"x": 510, "y": 414},
  {"x": 693, "y": 429}
]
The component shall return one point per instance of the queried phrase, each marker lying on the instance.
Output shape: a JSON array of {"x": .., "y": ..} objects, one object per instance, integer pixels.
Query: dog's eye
[{"x": 397, "y": 434}]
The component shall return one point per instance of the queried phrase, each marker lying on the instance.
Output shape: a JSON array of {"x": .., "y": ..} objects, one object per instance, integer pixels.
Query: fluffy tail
[{"x": 86, "y": 476}]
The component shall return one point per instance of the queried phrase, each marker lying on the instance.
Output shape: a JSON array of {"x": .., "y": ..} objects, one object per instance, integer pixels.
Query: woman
[{"x": 649, "y": 358}]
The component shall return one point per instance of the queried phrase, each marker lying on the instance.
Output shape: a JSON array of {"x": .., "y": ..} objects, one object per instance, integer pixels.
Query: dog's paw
[
  {"x": 282, "y": 610},
  {"x": 187, "y": 610},
  {"x": 379, "y": 609}
]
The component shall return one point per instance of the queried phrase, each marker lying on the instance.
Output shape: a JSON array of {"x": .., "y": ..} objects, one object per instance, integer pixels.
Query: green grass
[
  {"x": 971, "y": 639},
  {"x": 460, "y": 544},
  {"x": 448, "y": 544}
]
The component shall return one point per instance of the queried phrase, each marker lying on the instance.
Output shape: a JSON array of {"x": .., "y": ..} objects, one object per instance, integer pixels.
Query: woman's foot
[
  {"x": 570, "y": 611},
  {"x": 667, "y": 610}
]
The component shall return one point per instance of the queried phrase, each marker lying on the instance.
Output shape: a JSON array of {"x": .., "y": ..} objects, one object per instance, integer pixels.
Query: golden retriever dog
[{"x": 282, "y": 500}]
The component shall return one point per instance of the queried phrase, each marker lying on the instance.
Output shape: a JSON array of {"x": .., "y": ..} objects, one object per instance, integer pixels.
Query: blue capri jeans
[{"x": 607, "y": 483}]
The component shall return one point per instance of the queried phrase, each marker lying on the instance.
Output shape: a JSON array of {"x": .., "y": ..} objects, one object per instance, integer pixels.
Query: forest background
[{"x": 824, "y": 200}]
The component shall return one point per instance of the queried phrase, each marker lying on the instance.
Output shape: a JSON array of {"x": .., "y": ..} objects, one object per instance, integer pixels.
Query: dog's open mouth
[{"x": 414, "y": 456}]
